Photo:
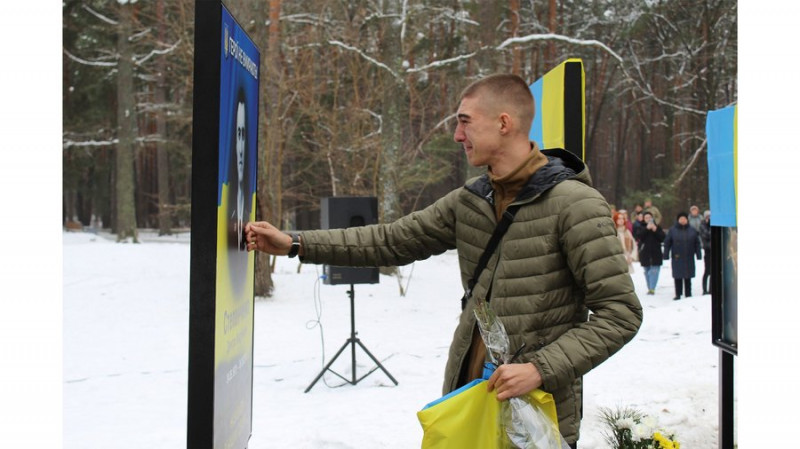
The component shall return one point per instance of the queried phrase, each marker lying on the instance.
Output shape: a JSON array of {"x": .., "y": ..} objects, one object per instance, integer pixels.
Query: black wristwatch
[{"x": 295, "y": 245}]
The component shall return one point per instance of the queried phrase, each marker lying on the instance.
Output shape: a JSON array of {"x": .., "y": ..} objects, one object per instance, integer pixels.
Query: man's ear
[{"x": 506, "y": 123}]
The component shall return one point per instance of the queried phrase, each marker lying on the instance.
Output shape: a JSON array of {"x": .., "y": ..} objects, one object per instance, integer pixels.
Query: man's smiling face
[{"x": 477, "y": 131}]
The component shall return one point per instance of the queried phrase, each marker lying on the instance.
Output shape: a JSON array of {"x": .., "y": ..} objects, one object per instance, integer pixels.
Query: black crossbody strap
[{"x": 499, "y": 231}]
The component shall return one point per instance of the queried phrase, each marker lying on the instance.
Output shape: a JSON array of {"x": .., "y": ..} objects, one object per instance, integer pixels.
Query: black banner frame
[
  {"x": 202, "y": 287},
  {"x": 718, "y": 298},
  {"x": 728, "y": 349},
  {"x": 574, "y": 119}
]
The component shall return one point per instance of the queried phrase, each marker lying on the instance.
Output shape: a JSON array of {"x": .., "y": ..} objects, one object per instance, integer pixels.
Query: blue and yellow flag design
[{"x": 559, "y": 121}]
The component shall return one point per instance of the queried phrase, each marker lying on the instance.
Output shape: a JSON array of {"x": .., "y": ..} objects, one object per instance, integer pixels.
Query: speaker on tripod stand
[{"x": 346, "y": 212}]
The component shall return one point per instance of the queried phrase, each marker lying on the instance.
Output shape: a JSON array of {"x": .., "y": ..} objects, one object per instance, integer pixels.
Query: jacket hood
[{"x": 561, "y": 165}]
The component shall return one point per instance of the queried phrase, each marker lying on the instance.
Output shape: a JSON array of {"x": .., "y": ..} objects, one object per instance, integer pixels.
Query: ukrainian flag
[
  {"x": 560, "y": 100},
  {"x": 722, "y": 165}
]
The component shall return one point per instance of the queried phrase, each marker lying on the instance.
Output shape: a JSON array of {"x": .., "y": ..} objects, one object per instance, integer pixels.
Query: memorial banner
[
  {"x": 224, "y": 160},
  {"x": 233, "y": 378}
]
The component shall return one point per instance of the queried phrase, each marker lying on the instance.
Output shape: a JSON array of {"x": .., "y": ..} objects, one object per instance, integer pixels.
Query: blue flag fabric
[{"x": 721, "y": 134}]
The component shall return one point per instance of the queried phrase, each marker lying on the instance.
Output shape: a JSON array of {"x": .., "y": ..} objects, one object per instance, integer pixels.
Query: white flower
[
  {"x": 625, "y": 423},
  {"x": 640, "y": 432}
]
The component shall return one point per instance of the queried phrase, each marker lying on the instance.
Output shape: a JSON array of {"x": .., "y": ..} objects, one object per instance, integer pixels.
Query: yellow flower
[{"x": 664, "y": 442}]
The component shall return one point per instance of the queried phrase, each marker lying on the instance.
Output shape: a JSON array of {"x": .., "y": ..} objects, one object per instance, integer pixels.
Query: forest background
[{"x": 358, "y": 98}]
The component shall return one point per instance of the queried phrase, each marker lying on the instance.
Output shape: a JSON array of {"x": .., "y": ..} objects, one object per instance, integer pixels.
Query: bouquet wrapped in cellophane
[{"x": 526, "y": 424}]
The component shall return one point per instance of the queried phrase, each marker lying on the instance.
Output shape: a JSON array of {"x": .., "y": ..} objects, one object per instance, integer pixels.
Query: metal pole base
[{"x": 727, "y": 421}]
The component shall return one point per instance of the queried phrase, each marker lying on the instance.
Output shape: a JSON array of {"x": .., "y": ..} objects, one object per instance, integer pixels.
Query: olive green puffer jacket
[{"x": 559, "y": 260}]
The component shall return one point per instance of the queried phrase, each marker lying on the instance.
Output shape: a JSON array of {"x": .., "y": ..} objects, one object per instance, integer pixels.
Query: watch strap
[{"x": 295, "y": 245}]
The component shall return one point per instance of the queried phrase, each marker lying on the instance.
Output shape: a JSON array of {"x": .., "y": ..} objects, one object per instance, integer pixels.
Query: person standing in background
[
  {"x": 637, "y": 209},
  {"x": 650, "y": 235},
  {"x": 638, "y": 222},
  {"x": 626, "y": 239},
  {"x": 705, "y": 240},
  {"x": 681, "y": 244},
  {"x": 648, "y": 207},
  {"x": 628, "y": 223},
  {"x": 695, "y": 218}
]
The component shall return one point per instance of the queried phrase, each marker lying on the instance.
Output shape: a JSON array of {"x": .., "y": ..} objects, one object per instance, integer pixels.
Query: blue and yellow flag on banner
[
  {"x": 722, "y": 165},
  {"x": 559, "y": 121}
]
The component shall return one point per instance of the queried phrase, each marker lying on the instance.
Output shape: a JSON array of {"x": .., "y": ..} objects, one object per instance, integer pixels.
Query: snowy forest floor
[{"x": 126, "y": 321}]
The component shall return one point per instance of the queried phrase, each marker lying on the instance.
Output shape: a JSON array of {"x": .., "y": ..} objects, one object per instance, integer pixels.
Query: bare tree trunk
[
  {"x": 391, "y": 135},
  {"x": 126, "y": 122},
  {"x": 551, "y": 44},
  {"x": 275, "y": 132},
  {"x": 70, "y": 208},
  {"x": 516, "y": 53},
  {"x": 490, "y": 18},
  {"x": 270, "y": 191},
  {"x": 620, "y": 178},
  {"x": 597, "y": 96},
  {"x": 162, "y": 165}
]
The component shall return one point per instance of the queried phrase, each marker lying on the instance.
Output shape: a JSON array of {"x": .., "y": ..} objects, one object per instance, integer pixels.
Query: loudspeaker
[{"x": 346, "y": 212}]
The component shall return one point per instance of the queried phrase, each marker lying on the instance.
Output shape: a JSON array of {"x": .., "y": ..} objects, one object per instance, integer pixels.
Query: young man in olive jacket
[{"x": 559, "y": 259}]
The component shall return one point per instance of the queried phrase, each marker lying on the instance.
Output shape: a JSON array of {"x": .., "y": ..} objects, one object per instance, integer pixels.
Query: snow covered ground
[{"x": 125, "y": 340}]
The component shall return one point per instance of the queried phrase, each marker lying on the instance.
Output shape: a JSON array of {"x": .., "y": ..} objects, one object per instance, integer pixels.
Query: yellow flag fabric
[{"x": 470, "y": 418}]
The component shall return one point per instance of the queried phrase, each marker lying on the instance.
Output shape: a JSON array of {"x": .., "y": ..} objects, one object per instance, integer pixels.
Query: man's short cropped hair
[{"x": 509, "y": 90}]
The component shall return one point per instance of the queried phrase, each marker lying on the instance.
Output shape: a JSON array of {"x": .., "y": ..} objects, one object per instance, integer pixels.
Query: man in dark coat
[
  {"x": 683, "y": 242},
  {"x": 649, "y": 236}
]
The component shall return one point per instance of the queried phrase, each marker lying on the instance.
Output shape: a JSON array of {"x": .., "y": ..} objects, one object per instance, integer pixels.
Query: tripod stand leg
[
  {"x": 319, "y": 376},
  {"x": 376, "y": 361}
]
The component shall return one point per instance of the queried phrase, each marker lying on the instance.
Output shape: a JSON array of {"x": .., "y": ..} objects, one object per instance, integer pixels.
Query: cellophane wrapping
[{"x": 525, "y": 424}]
